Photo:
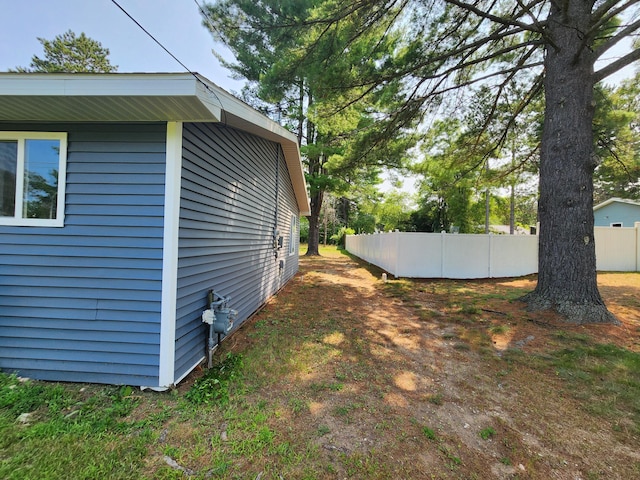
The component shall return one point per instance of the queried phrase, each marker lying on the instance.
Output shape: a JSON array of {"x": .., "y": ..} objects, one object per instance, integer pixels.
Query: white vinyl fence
[{"x": 441, "y": 255}]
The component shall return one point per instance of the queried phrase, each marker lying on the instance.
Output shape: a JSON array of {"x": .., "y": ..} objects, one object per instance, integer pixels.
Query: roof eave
[
  {"x": 616, "y": 200},
  {"x": 142, "y": 97}
]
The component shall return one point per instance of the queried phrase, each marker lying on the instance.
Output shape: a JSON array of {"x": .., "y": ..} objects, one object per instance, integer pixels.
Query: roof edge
[
  {"x": 614, "y": 200},
  {"x": 187, "y": 97}
]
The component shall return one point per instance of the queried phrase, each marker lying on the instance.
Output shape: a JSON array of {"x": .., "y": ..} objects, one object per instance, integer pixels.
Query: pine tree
[{"x": 68, "y": 53}]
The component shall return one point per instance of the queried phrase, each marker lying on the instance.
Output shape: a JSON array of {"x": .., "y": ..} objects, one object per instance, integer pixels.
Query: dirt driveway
[{"x": 446, "y": 379}]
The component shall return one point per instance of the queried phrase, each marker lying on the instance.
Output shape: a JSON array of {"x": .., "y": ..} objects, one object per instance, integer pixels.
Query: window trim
[
  {"x": 21, "y": 137},
  {"x": 294, "y": 230},
  {"x": 616, "y": 224}
]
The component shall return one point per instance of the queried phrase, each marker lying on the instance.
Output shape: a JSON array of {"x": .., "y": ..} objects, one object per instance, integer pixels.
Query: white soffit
[
  {"x": 104, "y": 98},
  {"x": 141, "y": 97}
]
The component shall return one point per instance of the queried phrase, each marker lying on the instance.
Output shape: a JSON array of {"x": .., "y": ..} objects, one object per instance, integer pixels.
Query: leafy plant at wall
[{"x": 213, "y": 387}]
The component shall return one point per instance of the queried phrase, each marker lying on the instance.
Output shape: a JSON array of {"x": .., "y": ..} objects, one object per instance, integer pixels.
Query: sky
[{"x": 177, "y": 24}]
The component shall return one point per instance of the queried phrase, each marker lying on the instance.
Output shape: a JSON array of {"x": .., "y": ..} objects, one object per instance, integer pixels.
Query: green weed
[
  {"x": 297, "y": 405},
  {"x": 469, "y": 310},
  {"x": 364, "y": 466},
  {"x": 320, "y": 387},
  {"x": 429, "y": 433},
  {"x": 499, "y": 329},
  {"x": 487, "y": 433},
  {"x": 213, "y": 387},
  {"x": 454, "y": 460}
]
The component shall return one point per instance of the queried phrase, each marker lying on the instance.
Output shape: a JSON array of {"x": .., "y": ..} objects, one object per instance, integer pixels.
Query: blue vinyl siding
[
  {"x": 82, "y": 302},
  {"x": 227, "y": 214},
  {"x": 617, "y": 212}
]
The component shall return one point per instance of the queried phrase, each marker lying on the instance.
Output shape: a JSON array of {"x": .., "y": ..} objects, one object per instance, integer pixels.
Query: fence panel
[
  {"x": 514, "y": 255},
  {"x": 615, "y": 248},
  {"x": 466, "y": 256},
  {"x": 419, "y": 255},
  {"x": 379, "y": 249},
  {"x": 439, "y": 255}
]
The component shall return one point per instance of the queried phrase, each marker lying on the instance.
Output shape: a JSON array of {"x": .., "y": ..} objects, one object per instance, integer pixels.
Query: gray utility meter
[{"x": 220, "y": 319}]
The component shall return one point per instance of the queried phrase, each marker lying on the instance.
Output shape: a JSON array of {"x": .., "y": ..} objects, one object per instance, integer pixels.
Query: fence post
[
  {"x": 443, "y": 239},
  {"x": 489, "y": 263},
  {"x": 396, "y": 235}
]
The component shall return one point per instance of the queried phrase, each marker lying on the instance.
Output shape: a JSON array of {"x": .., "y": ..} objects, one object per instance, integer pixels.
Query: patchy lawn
[{"x": 344, "y": 376}]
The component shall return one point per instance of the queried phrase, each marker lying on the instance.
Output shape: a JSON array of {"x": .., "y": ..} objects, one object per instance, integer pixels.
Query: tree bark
[
  {"x": 487, "y": 204},
  {"x": 487, "y": 211},
  {"x": 512, "y": 200},
  {"x": 567, "y": 280},
  {"x": 314, "y": 224},
  {"x": 512, "y": 210}
]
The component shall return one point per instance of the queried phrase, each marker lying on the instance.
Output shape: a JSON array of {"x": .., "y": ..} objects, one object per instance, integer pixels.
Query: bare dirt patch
[
  {"x": 358, "y": 378},
  {"x": 432, "y": 358}
]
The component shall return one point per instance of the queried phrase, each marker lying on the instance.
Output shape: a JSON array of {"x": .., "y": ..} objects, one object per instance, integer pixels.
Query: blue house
[
  {"x": 616, "y": 212},
  {"x": 125, "y": 198}
]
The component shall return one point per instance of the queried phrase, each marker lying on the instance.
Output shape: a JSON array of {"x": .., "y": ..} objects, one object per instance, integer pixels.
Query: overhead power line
[
  {"x": 172, "y": 55},
  {"x": 152, "y": 37},
  {"x": 207, "y": 18}
]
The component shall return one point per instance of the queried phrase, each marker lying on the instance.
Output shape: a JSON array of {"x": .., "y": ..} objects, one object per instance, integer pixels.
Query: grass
[
  {"x": 498, "y": 329},
  {"x": 401, "y": 289},
  {"x": 605, "y": 377},
  {"x": 313, "y": 393},
  {"x": 487, "y": 433},
  {"x": 70, "y": 431},
  {"x": 213, "y": 387},
  {"x": 429, "y": 433}
]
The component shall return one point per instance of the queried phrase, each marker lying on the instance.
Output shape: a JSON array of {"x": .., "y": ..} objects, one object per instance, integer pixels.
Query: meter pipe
[{"x": 211, "y": 345}]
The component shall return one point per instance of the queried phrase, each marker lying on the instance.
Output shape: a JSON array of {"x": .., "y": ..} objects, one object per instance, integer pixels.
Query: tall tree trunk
[
  {"x": 326, "y": 226},
  {"x": 512, "y": 200},
  {"x": 567, "y": 262},
  {"x": 316, "y": 196},
  {"x": 314, "y": 223},
  {"x": 512, "y": 210},
  {"x": 487, "y": 204},
  {"x": 487, "y": 210},
  {"x": 301, "y": 113}
]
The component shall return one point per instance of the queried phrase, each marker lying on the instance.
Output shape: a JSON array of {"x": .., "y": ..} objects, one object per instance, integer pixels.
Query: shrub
[{"x": 340, "y": 237}]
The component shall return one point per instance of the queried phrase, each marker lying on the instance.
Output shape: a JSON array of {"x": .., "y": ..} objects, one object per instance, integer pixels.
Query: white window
[
  {"x": 32, "y": 178},
  {"x": 616, "y": 224},
  {"x": 294, "y": 235}
]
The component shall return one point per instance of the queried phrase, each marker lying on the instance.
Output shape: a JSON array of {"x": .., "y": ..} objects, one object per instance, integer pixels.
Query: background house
[
  {"x": 616, "y": 212},
  {"x": 124, "y": 198}
]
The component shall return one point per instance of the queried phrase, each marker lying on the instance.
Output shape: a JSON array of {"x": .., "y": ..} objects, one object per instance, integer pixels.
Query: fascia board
[
  {"x": 616, "y": 200},
  {"x": 97, "y": 84},
  {"x": 238, "y": 114},
  {"x": 127, "y": 97}
]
